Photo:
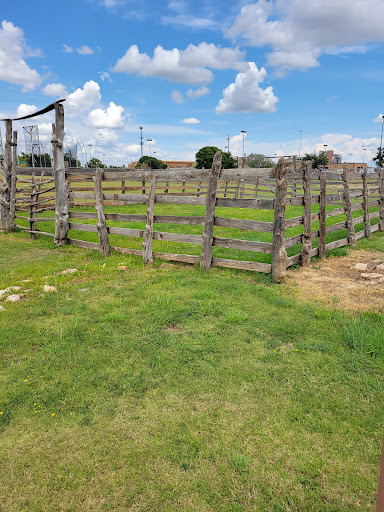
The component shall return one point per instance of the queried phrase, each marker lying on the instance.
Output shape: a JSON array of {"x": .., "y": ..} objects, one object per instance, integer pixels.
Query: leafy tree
[
  {"x": 317, "y": 160},
  {"x": 204, "y": 158},
  {"x": 379, "y": 158},
  {"x": 150, "y": 162},
  {"x": 95, "y": 162},
  {"x": 259, "y": 160},
  {"x": 43, "y": 160},
  {"x": 228, "y": 162}
]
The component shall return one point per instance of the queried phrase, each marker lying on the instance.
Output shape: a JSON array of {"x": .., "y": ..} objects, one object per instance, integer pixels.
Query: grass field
[{"x": 164, "y": 388}]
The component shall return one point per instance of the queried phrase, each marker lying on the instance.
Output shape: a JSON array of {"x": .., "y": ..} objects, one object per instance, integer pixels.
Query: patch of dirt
[
  {"x": 337, "y": 282},
  {"x": 172, "y": 328}
]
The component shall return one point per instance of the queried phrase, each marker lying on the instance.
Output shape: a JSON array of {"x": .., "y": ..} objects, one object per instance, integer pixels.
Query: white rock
[
  {"x": 372, "y": 275},
  {"x": 361, "y": 266},
  {"x": 27, "y": 280},
  {"x": 2, "y": 309},
  {"x": 13, "y": 298},
  {"x": 48, "y": 288},
  {"x": 380, "y": 267},
  {"x": 69, "y": 271},
  {"x": 381, "y": 279},
  {"x": 83, "y": 289},
  {"x": 2, "y": 293}
]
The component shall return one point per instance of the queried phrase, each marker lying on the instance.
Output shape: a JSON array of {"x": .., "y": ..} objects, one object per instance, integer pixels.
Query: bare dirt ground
[{"x": 337, "y": 282}]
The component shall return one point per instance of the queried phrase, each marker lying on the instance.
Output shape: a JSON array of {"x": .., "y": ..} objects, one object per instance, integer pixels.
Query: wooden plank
[
  {"x": 148, "y": 235},
  {"x": 242, "y": 265},
  {"x": 365, "y": 206},
  {"x": 36, "y": 219},
  {"x": 35, "y": 232},
  {"x": 348, "y": 211},
  {"x": 12, "y": 194},
  {"x": 244, "y": 245},
  {"x": 250, "y": 225},
  {"x": 297, "y": 239},
  {"x": 297, "y": 221},
  {"x": 101, "y": 225},
  {"x": 182, "y": 258},
  {"x": 336, "y": 243},
  {"x": 261, "y": 204},
  {"x": 293, "y": 259},
  {"x": 89, "y": 228},
  {"x": 279, "y": 254},
  {"x": 374, "y": 228},
  {"x": 62, "y": 192},
  {"x": 307, "y": 237},
  {"x": 322, "y": 226},
  {"x": 207, "y": 240},
  {"x": 336, "y": 227},
  {"x": 83, "y": 244},
  {"x": 381, "y": 223}
]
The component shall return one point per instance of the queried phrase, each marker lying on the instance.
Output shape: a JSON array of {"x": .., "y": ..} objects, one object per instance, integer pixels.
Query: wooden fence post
[
  {"x": 381, "y": 225},
  {"x": 12, "y": 195},
  {"x": 101, "y": 225},
  {"x": 206, "y": 249},
  {"x": 279, "y": 254},
  {"x": 322, "y": 215},
  {"x": 62, "y": 191},
  {"x": 348, "y": 209},
  {"x": 5, "y": 188},
  {"x": 306, "y": 240},
  {"x": 365, "y": 205},
  {"x": 33, "y": 208},
  {"x": 148, "y": 235}
]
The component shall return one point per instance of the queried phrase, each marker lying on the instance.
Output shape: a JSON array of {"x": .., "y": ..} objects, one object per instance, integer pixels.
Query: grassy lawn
[{"x": 168, "y": 389}]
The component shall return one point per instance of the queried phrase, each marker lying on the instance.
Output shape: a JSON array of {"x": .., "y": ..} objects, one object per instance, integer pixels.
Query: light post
[
  {"x": 364, "y": 150},
  {"x": 228, "y": 143},
  {"x": 90, "y": 153},
  {"x": 243, "y": 132},
  {"x": 381, "y": 143},
  {"x": 104, "y": 159},
  {"x": 300, "y": 131},
  {"x": 141, "y": 140},
  {"x": 149, "y": 144}
]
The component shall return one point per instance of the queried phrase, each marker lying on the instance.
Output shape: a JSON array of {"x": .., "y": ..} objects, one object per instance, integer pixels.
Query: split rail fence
[{"x": 307, "y": 211}]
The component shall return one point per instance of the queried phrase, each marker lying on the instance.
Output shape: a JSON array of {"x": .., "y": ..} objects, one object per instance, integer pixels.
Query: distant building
[{"x": 336, "y": 164}]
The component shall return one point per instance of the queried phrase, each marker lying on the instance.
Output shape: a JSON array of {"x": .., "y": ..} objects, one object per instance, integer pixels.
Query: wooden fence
[{"x": 292, "y": 215}]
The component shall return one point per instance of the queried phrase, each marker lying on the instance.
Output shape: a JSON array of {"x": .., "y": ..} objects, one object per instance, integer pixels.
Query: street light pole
[
  {"x": 300, "y": 131},
  {"x": 228, "y": 142},
  {"x": 141, "y": 140},
  {"x": 90, "y": 153},
  {"x": 149, "y": 144},
  {"x": 243, "y": 132}
]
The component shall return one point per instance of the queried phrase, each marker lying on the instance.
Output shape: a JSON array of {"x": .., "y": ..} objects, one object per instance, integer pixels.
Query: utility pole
[
  {"x": 141, "y": 139},
  {"x": 228, "y": 138},
  {"x": 300, "y": 131}
]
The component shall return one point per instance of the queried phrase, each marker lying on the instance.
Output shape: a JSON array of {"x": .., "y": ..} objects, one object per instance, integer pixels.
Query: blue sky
[{"x": 192, "y": 73}]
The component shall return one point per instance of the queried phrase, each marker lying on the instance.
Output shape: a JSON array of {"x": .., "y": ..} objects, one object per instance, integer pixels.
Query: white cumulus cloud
[
  {"x": 190, "y": 120},
  {"x": 25, "y": 110},
  {"x": 110, "y": 118},
  {"x": 84, "y": 50},
  {"x": 379, "y": 118},
  {"x": 67, "y": 48},
  {"x": 13, "y": 68},
  {"x": 198, "y": 93},
  {"x": 192, "y": 65},
  {"x": 246, "y": 95},
  {"x": 83, "y": 99},
  {"x": 57, "y": 90},
  {"x": 299, "y": 31}
]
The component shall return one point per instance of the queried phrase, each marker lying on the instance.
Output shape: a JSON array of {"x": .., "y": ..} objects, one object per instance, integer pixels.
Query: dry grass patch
[{"x": 336, "y": 281}]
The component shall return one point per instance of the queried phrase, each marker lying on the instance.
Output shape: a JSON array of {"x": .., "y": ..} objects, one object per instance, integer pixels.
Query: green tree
[
  {"x": 72, "y": 162},
  {"x": 150, "y": 162},
  {"x": 43, "y": 160},
  {"x": 204, "y": 158},
  {"x": 379, "y": 158},
  {"x": 259, "y": 160},
  {"x": 94, "y": 163},
  {"x": 317, "y": 160}
]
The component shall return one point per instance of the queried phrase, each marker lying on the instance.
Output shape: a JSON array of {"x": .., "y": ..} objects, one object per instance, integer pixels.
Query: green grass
[{"x": 174, "y": 389}]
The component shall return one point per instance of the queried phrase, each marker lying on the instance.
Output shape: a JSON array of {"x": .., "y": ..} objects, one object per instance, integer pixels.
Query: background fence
[{"x": 254, "y": 219}]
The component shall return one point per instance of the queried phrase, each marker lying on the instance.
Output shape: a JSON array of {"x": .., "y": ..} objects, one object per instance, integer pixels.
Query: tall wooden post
[
  {"x": 381, "y": 225},
  {"x": 322, "y": 215},
  {"x": 365, "y": 206},
  {"x": 279, "y": 254},
  {"x": 306, "y": 240},
  {"x": 12, "y": 198},
  {"x": 148, "y": 235},
  {"x": 348, "y": 209},
  {"x": 62, "y": 191},
  {"x": 101, "y": 225},
  {"x": 5, "y": 188},
  {"x": 206, "y": 249}
]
